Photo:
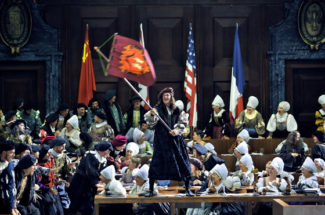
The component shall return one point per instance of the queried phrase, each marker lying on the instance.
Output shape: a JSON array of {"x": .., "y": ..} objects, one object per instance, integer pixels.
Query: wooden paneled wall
[{"x": 166, "y": 25}]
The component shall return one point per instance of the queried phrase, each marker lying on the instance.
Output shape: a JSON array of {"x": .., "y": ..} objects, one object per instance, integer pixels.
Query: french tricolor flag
[{"x": 236, "y": 105}]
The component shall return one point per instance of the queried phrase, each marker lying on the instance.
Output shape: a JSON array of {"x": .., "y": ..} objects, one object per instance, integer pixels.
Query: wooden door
[
  {"x": 304, "y": 84},
  {"x": 25, "y": 80}
]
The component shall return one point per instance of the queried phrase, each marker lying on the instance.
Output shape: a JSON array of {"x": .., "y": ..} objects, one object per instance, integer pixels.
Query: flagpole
[{"x": 131, "y": 86}]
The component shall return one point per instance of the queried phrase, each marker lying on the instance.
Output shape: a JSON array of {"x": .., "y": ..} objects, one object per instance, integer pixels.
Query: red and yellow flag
[
  {"x": 129, "y": 59},
  {"x": 87, "y": 82}
]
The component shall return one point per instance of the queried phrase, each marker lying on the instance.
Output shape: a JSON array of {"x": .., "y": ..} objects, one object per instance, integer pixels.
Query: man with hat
[
  {"x": 83, "y": 188},
  {"x": 49, "y": 129},
  {"x": 21, "y": 149},
  {"x": 93, "y": 107},
  {"x": 64, "y": 115},
  {"x": 100, "y": 130},
  {"x": 119, "y": 143},
  {"x": 25, "y": 185},
  {"x": 251, "y": 120},
  {"x": 281, "y": 123},
  {"x": 48, "y": 182},
  {"x": 320, "y": 115},
  {"x": 134, "y": 115},
  {"x": 7, "y": 178},
  {"x": 170, "y": 160},
  {"x": 319, "y": 147},
  {"x": 19, "y": 132},
  {"x": 32, "y": 118},
  {"x": 61, "y": 159},
  {"x": 113, "y": 112},
  {"x": 83, "y": 117}
]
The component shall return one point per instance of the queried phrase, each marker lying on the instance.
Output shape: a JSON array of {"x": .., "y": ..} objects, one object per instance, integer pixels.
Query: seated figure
[
  {"x": 281, "y": 123},
  {"x": 251, "y": 120}
]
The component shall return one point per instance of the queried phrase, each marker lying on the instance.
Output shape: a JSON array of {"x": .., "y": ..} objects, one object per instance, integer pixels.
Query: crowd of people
[{"x": 58, "y": 166}]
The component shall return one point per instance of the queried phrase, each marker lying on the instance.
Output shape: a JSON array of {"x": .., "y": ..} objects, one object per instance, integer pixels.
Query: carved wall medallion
[
  {"x": 15, "y": 24},
  {"x": 311, "y": 22}
]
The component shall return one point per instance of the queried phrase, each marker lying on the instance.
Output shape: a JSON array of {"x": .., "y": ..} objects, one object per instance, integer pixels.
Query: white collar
[
  {"x": 142, "y": 145},
  {"x": 322, "y": 111},
  {"x": 98, "y": 125},
  {"x": 218, "y": 114},
  {"x": 100, "y": 158},
  {"x": 54, "y": 153},
  {"x": 282, "y": 118}
]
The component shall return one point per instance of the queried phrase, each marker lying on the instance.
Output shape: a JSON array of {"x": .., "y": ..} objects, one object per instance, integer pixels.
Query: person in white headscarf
[
  {"x": 251, "y": 120},
  {"x": 320, "y": 115},
  {"x": 320, "y": 164},
  {"x": 112, "y": 186},
  {"x": 245, "y": 173},
  {"x": 308, "y": 178},
  {"x": 142, "y": 181},
  {"x": 281, "y": 123},
  {"x": 219, "y": 126},
  {"x": 272, "y": 183},
  {"x": 240, "y": 151},
  {"x": 144, "y": 146},
  {"x": 132, "y": 150},
  {"x": 72, "y": 134}
]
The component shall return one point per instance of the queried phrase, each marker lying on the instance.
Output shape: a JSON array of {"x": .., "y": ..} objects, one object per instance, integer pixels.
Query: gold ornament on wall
[
  {"x": 15, "y": 24},
  {"x": 311, "y": 22}
]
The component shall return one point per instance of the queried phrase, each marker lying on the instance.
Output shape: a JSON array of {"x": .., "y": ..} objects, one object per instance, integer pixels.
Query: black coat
[
  {"x": 292, "y": 163},
  {"x": 224, "y": 122},
  {"x": 83, "y": 188},
  {"x": 110, "y": 118},
  {"x": 170, "y": 160},
  {"x": 319, "y": 151}
]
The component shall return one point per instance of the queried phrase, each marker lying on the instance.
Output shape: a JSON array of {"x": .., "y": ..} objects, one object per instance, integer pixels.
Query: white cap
[
  {"x": 242, "y": 148},
  {"x": 210, "y": 148},
  {"x": 133, "y": 147},
  {"x": 137, "y": 134},
  {"x": 309, "y": 165},
  {"x": 220, "y": 170},
  {"x": 244, "y": 135},
  {"x": 143, "y": 172},
  {"x": 108, "y": 172},
  {"x": 252, "y": 102},
  {"x": 278, "y": 164},
  {"x": 73, "y": 121},
  {"x": 321, "y": 99},
  {"x": 285, "y": 105},
  {"x": 321, "y": 162},
  {"x": 180, "y": 105},
  {"x": 217, "y": 101},
  {"x": 247, "y": 161}
]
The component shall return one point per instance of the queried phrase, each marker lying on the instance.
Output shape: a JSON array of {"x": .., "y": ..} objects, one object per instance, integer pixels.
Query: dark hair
[
  {"x": 292, "y": 143},
  {"x": 199, "y": 132}
]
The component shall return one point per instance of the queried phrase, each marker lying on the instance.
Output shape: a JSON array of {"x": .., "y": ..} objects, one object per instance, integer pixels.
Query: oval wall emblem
[{"x": 15, "y": 24}]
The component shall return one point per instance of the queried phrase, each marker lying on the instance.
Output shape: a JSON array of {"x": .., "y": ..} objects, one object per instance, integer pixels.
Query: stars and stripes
[{"x": 190, "y": 81}]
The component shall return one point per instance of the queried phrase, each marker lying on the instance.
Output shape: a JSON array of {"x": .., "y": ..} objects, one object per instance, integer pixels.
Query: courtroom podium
[{"x": 280, "y": 207}]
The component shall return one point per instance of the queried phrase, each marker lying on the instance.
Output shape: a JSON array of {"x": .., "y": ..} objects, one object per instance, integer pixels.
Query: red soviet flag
[
  {"x": 87, "y": 82},
  {"x": 129, "y": 59}
]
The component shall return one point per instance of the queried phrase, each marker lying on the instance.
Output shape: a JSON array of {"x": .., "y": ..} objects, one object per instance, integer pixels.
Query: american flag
[
  {"x": 143, "y": 90},
  {"x": 190, "y": 81}
]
